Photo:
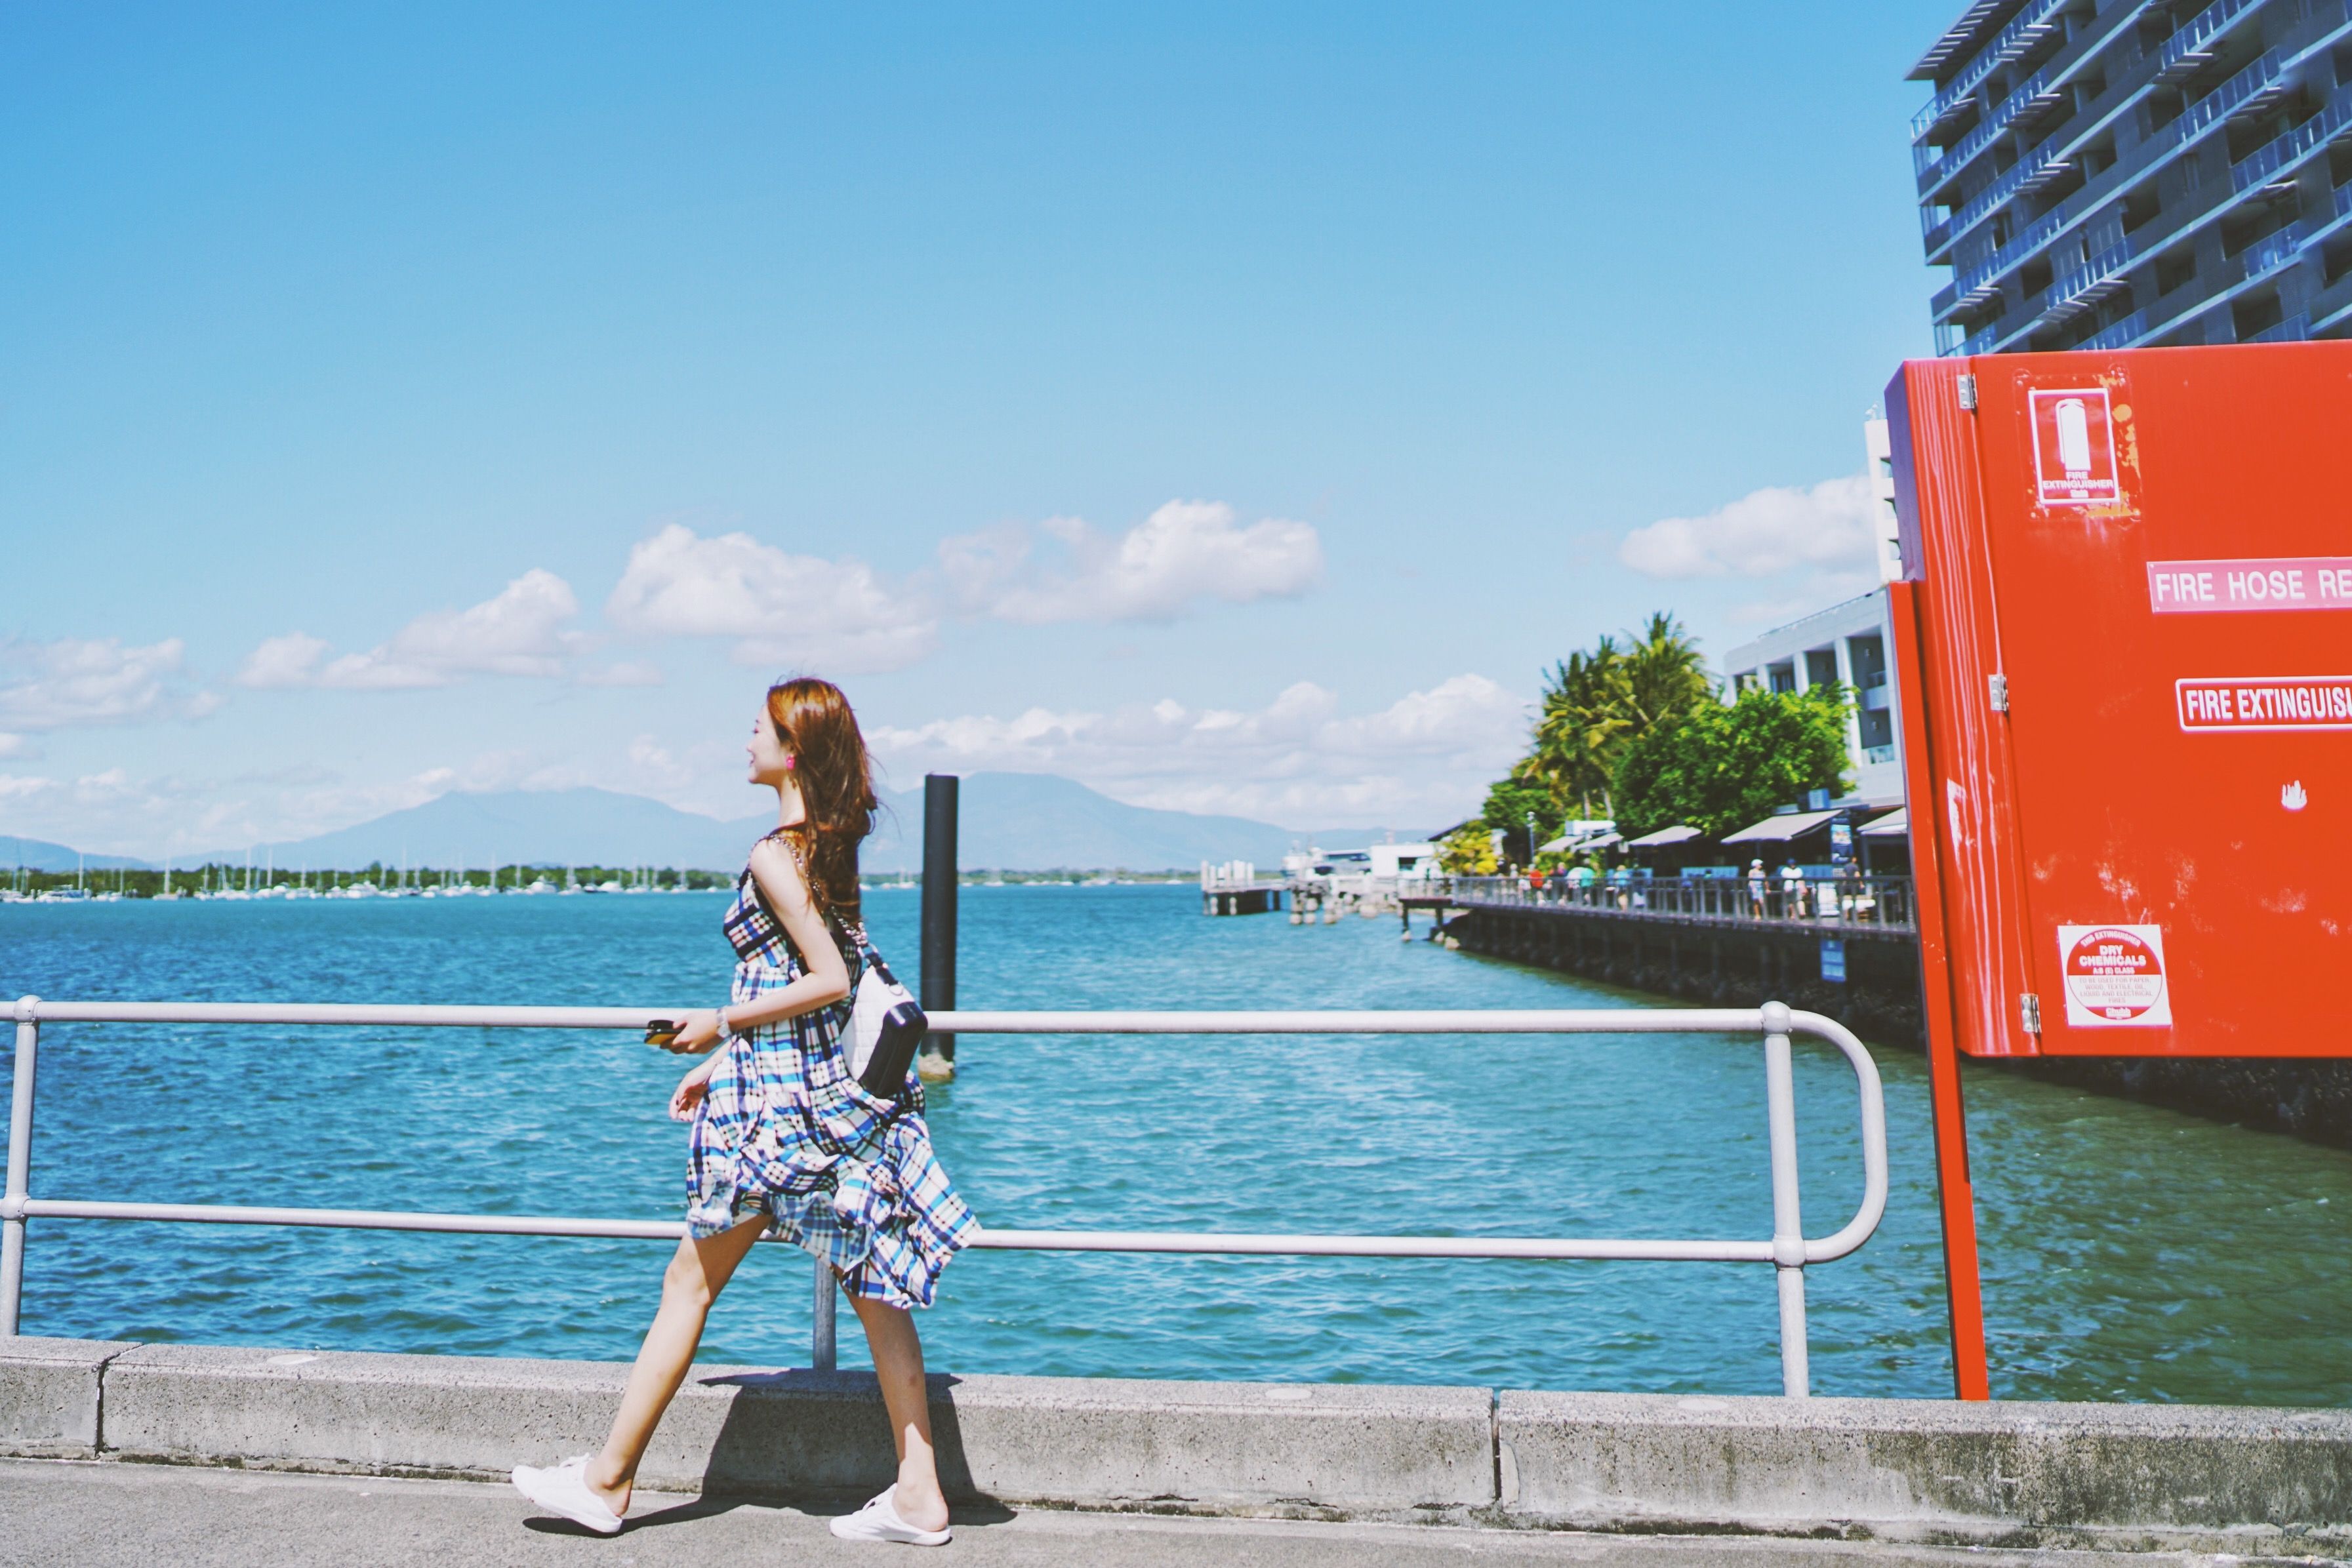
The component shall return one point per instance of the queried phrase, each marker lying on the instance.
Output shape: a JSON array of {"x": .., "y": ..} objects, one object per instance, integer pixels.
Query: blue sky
[{"x": 1235, "y": 408}]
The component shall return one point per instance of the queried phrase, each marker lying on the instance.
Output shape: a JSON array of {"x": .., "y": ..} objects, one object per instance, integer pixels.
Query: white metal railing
[
  {"x": 1825, "y": 904},
  {"x": 1788, "y": 1248}
]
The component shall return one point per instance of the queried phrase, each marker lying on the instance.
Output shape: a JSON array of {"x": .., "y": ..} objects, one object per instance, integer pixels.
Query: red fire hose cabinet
[{"x": 2125, "y": 646}]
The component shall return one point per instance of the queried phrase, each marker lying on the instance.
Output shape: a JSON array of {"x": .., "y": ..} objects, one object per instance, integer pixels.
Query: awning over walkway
[
  {"x": 1677, "y": 834},
  {"x": 1896, "y": 824},
  {"x": 1779, "y": 829}
]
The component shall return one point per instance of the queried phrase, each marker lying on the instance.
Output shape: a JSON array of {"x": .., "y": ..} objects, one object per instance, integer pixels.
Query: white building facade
[
  {"x": 1848, "y": 644},
  {"x": 1851, "y": 643}
]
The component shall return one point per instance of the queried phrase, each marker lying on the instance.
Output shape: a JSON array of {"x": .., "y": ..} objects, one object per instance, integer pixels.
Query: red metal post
[{"x": 1963, "y": 1284}]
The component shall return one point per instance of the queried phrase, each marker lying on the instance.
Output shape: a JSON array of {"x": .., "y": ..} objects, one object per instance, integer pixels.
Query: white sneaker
[
  {"x": 564, "y": 1489},
  {"x": 879, "y": 1520}
]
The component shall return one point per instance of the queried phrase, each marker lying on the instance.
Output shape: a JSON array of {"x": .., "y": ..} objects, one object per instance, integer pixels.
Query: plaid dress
[{"x": 785, "y": 1130}]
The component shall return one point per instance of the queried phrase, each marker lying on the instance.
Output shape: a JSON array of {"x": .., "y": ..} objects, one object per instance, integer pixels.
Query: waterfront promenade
[
  {"x": 148, "y": 1449},
  {"x": 65, "y": 1515},
  {"x": 83, "y": 1516}
]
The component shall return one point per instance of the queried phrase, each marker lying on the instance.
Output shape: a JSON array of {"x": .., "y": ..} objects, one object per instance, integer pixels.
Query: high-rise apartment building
[{"x": 2126, "y": 173}]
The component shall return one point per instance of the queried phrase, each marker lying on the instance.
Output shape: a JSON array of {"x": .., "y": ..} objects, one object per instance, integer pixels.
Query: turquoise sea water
[{"x": 2131, "y": 1252}]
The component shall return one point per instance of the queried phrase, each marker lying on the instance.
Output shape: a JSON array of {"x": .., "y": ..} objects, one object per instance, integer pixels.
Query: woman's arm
[{"x": 826, "y": 982}]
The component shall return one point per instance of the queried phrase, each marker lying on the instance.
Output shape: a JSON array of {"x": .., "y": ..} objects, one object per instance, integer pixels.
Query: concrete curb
[
  {"x": 2157, "y": 1476},
  {"x": 1083, "y": 1441},
  {"x": 1924, "y": 1470},
  {"x": 49, "y": 1394}
]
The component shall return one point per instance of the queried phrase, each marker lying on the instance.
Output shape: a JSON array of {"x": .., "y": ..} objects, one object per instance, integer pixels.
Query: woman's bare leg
[
  {"x": 898, "y": 1364},
  {"x": 697, "y": 1272}
]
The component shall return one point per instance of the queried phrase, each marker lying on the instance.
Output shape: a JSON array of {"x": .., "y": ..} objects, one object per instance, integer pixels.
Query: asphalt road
[{"x": 56, "y": 1514}]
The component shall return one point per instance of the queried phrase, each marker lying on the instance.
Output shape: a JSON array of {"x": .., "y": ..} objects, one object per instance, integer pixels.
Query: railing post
[
  {"x": 20, "y": 1167},
  {"x": 1788, "y": 1216},
  {"x": 821, "y": 1320}
]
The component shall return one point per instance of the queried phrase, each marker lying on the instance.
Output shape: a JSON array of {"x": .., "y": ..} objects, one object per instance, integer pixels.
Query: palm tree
[
  {"x": 1579, "y": 724},
  {"x": 1665, "y": 676},
  {"x": 1595, "y": 704}
]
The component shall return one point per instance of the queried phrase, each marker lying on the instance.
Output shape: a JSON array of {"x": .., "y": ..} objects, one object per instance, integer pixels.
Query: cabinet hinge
[
  {"x": 1968, "y": 395},
  {"x": 2029, "y": 1012},
  {"x": 1997, "y": 692}
]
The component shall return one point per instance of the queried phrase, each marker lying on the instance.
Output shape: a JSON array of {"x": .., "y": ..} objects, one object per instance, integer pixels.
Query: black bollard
[{"x": 940, "y": 905}]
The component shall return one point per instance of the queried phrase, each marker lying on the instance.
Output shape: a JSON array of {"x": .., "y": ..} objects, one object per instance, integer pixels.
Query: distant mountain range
[
  {"x": 39, "y": 855},
  {"x": 1008, "y": 822}
]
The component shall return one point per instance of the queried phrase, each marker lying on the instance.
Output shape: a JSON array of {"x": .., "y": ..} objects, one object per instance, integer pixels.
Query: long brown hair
[{"x": 836, "y": 781}]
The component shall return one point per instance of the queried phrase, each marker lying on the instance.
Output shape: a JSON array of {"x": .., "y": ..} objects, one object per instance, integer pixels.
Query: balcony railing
[
  {"x": 1934, "y": 169},
  {"x": 2084, "y": 284},
  {"x": 2012, "y": 182},
  {"x": 1976, "y": 343},
  {"x": 2186, "y": 49},
  {"x": 2282, "y": 153},
  {"x": 2293, "y": 329},
  {"x": 2256, "y": 80},
  {"x": 2028, "y": 240},
  {"x": 2273, "y": 251},
  {"x": 2119, "y": 335},
  {"x": 2257, "y": 83},
  {"x": 2012, "y": 41}
]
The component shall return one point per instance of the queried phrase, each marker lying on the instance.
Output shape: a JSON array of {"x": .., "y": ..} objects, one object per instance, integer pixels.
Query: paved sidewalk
[{"x": 58, "y": 1514}]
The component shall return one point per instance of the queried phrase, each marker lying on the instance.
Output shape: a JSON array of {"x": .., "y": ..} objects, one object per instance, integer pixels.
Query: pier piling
[{"x": 939, "y": 980}]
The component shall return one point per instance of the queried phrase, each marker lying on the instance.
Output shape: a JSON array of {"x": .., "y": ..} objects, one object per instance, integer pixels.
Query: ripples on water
[{"x": 2131, "y": 1252}]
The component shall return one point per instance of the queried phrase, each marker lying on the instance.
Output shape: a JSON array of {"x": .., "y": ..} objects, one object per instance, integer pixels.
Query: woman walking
[{"x": 785, "y": 1138}]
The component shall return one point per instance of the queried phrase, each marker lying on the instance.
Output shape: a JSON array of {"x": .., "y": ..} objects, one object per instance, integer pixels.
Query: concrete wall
[
  {"x": 2152, "y": 1476},
  {"x": 1737, "y": 967},
  {"x": 1727, "y": 966}
]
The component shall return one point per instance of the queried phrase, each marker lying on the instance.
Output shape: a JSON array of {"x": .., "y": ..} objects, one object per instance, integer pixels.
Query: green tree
[
  {"x": 1511, "y": 802},
  {"x": 1467, "y": 851},
  {"x": 1720, "y": 768},
  {"x": 1596, "y": 705}
]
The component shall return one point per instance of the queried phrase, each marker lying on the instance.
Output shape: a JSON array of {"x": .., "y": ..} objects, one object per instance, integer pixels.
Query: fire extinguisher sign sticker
[
  {"x": 2073, "y": 447},
  {"x": 2114, "y": 977}
]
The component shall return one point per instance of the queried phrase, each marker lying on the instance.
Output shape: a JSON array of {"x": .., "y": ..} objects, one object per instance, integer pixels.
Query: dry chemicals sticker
[
  {"x": 2291, "y": 582},
  {"x": 2073, "y": 447},
  {"x": 2114, "y": 977},
  {"x": 2211, "y": 705}
]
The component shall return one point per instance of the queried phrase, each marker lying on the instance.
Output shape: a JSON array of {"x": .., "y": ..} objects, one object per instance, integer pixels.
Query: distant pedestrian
[
  {"x": 784, "y": 1139},
  {"x": 1756, "y": 887}
]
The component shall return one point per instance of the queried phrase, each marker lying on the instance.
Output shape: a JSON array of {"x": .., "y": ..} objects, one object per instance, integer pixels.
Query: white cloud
[
  {"x": 16, "y": 746},
  {"x": 96, "y": 681},
  {"x": 288, "y": 661},
  {"x": 1423, "y": 760},
  {"x": 522, "y": 632},
  {"x": 620, "y": 673},
  {"x": 778, "y": 608},
  {"x": 16, "y": 787},
  {"x": 1826, "y": 528},
  {"x": 1184, "y": 552}
]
